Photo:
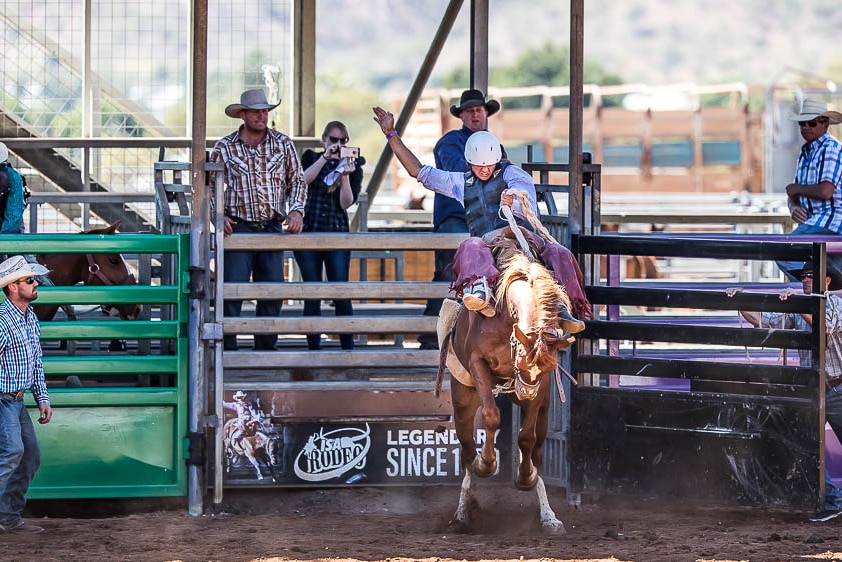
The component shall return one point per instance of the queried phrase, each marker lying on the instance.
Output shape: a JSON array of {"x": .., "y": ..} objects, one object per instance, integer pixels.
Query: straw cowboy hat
[
  {"x": 250, "y": 99},
  {"x": 834, "y": 274},
  {"x": 239, "y": 395},
  {"x": 16, "y": 267},
  {"x": 811, "y": 108},
  {"x": 4, "y": 152},
  {"x": 474, "y": 98}
]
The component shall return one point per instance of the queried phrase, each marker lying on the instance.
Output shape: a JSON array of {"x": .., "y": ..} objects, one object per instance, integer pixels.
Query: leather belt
[
  {"x": 16, "y": 396},
  {"x": 260, "y": 225},
  {"x": 834, "y": 382}
]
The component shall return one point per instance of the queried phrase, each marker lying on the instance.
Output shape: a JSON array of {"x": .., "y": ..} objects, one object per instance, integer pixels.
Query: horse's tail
[{"x": 444, "y": 347}]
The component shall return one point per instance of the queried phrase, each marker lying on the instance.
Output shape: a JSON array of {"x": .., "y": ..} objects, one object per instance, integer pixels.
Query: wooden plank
[
  {"x": 342, "y": 240},
  {"x": 372, "y": 290},
  {"x": 400, "y": 324},
  {"x": 358, "y": 358}
]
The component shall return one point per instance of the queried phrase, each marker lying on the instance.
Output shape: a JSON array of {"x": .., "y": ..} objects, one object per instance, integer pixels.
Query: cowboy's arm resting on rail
[
  {"x": 753, "y": 318},
  {"x": 822, "y": 190},
  {"x": 296, "y": 190}
]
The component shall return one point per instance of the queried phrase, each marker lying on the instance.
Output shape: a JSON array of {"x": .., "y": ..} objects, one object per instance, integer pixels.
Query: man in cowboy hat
[
  {"x": 448, "y": 214},
  {"x": 265, "y": 194},
  {"x": 833, "y": 359},
  {"x": 815, "y": 196},
  {"x": 21, "y": 368}
]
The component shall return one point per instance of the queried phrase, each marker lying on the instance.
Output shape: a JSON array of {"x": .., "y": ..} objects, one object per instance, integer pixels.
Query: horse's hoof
[
  {"x": 484, "y": 469},
  {"x": 553, "y": 529},
  {"x": 458, "y": 526},
  {"x": 529, "y": 482}
]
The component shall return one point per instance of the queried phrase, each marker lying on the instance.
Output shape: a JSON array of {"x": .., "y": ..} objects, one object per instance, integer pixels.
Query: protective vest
[{"x": 482, "y": 202}]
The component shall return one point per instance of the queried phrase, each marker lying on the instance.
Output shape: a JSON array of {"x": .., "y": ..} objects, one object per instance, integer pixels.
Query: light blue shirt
[
  {"x": 20, "y": 352},
  {"x": 821, "y": 160},
  {"x": 452, "y": 184}
]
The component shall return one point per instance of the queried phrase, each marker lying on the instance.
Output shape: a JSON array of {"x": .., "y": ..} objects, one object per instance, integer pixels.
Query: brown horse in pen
[
  {"x": 512, "y": 352},
  {"x": 90, "y": 269}
]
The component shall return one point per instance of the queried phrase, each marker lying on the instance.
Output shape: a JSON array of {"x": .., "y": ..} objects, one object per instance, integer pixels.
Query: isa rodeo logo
[{"x": 331, "y": 454}]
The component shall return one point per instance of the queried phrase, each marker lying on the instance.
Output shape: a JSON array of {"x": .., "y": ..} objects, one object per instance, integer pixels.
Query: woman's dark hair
[{"x": 335, "y": 125}]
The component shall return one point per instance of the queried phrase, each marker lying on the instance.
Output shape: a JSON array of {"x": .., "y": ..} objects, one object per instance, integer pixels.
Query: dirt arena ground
[{"x": 411, "y": 524}]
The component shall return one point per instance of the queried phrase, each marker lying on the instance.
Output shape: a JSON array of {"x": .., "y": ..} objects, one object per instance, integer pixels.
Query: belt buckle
[{"x": 19, "y": 394}]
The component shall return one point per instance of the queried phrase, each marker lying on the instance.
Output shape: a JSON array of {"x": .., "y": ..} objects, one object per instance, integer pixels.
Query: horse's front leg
[
  {"x": 551, "y": 524},
  {"x": 462, "y": 517},
  {"x": 530, "y": 438},
  {"x": 486, "y": 463}
]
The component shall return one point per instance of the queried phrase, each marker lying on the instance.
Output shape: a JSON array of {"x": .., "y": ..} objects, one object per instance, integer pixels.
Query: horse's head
[
  {"x": 111, "y": 269},
  {"x": 532, "y": 300},
  {"x": 535, "y": 355}
]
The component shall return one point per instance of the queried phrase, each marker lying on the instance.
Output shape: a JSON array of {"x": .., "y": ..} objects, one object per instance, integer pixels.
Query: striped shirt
[
  {"x": 821, "y": 160},
  {"x": 20, "y": 352},
  {"x": 264, "y": 182},
  {"x": 833, "y": 325}
]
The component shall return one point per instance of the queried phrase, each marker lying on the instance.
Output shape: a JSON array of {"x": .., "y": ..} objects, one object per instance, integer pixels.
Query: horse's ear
[
  {"x": 113, "y": 228},
  {"x": 521, "y": 337}
]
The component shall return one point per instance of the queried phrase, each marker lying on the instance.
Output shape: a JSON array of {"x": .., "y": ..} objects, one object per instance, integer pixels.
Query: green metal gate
[{"x": 120, "y": 436}]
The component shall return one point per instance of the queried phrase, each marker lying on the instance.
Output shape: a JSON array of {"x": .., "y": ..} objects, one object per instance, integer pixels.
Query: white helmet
[
  {"x": 4, "y": 152},
  {"x": 483, "y": 149}
]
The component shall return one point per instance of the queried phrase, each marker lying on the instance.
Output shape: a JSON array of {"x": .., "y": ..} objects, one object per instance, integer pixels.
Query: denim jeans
[
  {"x": 803, "y": 229},
  {"x": 833, "y": 415},
  {"x": 336, "y": 264},
  {"x": 20, "y": 458},
  {"x": 259, "y": 267}
]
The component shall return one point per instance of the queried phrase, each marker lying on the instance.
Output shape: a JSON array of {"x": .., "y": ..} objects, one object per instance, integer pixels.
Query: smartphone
[{"x": 349, "y": 152}]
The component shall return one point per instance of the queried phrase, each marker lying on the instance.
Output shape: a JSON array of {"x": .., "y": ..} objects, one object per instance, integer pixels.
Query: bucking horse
[{"x": 515, "y": 352}]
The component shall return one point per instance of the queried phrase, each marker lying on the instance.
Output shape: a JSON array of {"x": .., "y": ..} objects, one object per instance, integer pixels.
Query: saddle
[{"x": 503, "y": 243}]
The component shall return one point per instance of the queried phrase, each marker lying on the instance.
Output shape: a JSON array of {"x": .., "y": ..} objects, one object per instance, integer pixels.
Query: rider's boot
[
  {"x": 478, "y": 297},
  {"x": 568, "y": 322}
]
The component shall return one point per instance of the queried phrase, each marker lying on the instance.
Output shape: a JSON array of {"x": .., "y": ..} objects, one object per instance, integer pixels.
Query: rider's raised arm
[{"x": 405, "y": 156}]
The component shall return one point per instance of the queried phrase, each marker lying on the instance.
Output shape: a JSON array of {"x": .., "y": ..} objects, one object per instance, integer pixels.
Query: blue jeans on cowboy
[
  {"x": 259, "y": 267},
  {"x": 20, "y": 458},
  {"x": 833, "y": 415},
  {"x": 336, "y": 264},
  {"x": 832, "y": 259}
]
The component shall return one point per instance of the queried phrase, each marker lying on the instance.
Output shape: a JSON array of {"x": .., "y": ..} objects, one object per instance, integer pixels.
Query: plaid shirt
[
  {"x": 264, "y": 182},
  {"x": 324, "y": 212},
  {"x": 821, "y": 160},
  {"x": 833, "y": 324},
  {"x": 20, "y": 352}
]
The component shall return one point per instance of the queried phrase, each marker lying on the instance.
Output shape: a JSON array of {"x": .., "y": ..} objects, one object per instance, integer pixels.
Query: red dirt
[{"x": 402, "y": 524}]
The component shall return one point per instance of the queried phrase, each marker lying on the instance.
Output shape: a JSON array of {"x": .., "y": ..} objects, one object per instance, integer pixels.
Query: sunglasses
[
  {"x": 334, "y": 140},
  {"x": 28, "y": 280},
  {"x": 807, "y": 275},
  {"x": 811, "y": 123}
]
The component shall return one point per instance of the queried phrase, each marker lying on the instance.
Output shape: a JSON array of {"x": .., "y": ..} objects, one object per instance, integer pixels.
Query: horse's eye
[{"x": 114, "y": 261}]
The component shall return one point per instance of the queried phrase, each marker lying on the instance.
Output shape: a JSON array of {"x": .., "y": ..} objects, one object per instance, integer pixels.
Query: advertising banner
[{"x": 262, "y": 449}]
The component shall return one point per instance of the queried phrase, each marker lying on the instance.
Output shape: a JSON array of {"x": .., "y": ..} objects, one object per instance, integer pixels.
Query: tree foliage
[{"x": 547, "y": 65}]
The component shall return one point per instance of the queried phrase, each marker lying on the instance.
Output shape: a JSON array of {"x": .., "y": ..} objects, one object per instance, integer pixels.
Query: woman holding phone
[{"x": 334, "y": 185}]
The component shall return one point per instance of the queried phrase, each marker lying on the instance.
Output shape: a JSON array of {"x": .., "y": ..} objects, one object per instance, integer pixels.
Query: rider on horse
[
  {"x": 490, "y": 184},
  {"x": 248, "y": 418}
]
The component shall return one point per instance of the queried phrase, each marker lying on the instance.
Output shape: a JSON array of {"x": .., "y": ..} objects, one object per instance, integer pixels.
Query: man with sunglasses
[
  {"x": 833, "y": 359},
  {"x": 21, "y": 369},
  {"x": 814, "y": 197}
]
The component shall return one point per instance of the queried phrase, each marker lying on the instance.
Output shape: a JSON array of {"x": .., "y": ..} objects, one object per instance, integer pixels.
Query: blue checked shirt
[
  {"x": 821, "y": 160},
  {"x": 833, "y": 324},
  {"x": 20, "y": 352},
  {"x": 264, "y": 182}
]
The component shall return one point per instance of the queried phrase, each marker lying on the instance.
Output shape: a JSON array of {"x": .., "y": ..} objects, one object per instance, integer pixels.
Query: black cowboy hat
[
  {"x": 474, "y": 98},
  {"x": 834, "y": 274}
]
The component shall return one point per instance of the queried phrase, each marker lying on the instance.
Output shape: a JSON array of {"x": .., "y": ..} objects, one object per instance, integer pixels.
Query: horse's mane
[{"x": 548, "y": 294}]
